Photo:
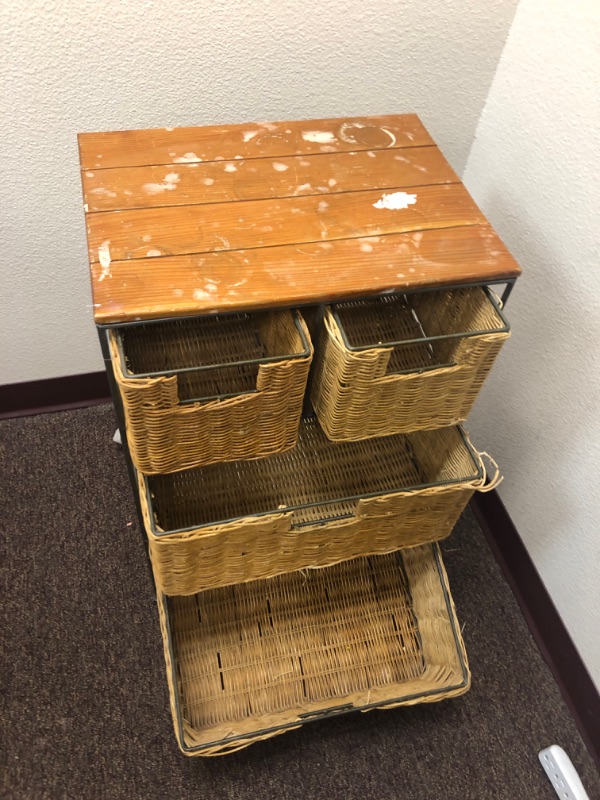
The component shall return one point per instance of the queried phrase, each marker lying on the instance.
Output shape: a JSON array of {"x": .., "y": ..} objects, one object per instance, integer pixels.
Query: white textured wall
[
  {"x": 79, "y": 65},
  {"x": 535, "y": 170}
]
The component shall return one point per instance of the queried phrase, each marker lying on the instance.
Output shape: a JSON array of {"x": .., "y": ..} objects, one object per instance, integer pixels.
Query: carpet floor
[{"x": 85, "y": 709}]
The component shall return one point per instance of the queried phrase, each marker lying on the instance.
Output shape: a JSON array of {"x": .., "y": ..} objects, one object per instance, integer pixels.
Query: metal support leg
[
  {"x": 314, "y": 328},
  {"x": 118, "y": 406},
  {"x": 507, "y": 290}
]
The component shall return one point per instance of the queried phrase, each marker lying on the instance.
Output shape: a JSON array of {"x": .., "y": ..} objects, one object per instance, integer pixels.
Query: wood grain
[
  {"x": 252, "y": 140},
  {"x": 292, "y": 275},
  {"x": 256, "y": 179},
  {"x": 199, "y": 220},
  {"x": 266, "y": 223}
]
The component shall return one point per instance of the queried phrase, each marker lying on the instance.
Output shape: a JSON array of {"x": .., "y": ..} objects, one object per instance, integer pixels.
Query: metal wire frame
[
  {"x": 203, "y": 367},
  {"x": 508, "y": 283},
  {"x": 334, "y": 711},
  {"x": 477, "y": 475},
  {"x": 104, "y": 328},
  {"x": 423, "y": 339},
  {"x": 120, "y": 414}
]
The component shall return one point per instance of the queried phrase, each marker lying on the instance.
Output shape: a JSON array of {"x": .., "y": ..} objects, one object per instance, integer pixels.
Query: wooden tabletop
[{"x": 184, "y": 221}]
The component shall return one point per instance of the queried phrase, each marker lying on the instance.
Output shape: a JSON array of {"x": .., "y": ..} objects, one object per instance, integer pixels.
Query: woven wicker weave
[
  {"x": 356, "y": 394},
  {"x": 341, "y": 501},
  {"x": 165, "y": 435},
  {"x": 248, "y": 662}
]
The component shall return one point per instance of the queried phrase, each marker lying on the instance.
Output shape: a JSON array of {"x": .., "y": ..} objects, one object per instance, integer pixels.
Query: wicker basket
[
  {"x": 200, "y": 391},
  {"x": 248, "y": 662},
  {"x": 404, "y": 363},
  {"x": 312, "y": 506}
]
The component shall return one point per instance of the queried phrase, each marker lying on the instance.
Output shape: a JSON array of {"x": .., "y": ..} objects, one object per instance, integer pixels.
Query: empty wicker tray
[
  {"x": 402, "y": 363},
  {"x": 248, "y": 662},
  {"x": 198, "y": 391},
  {"x": 312, "y": 506}
]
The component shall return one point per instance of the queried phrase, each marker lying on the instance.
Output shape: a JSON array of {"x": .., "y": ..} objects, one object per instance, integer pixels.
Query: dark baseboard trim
[
  {"x": 543, "y": 619},
  {"x": 53, "y": 394}
]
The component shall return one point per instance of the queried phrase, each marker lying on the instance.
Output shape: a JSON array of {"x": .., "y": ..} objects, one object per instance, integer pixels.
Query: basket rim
[
  {"x": 334, "y": 711},
  {"x": 505, "y": 329},
  {"x": 160, "y": 533},
  {"x": 117, "y": 332}
]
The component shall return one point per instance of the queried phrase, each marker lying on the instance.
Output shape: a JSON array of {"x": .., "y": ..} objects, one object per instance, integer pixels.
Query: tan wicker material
[
  {"x": 356, "y": 395},
  {"x": 248, "y": 662},
  {"x": 237, "y": 528},
  {"x": 165, "y": 435}
]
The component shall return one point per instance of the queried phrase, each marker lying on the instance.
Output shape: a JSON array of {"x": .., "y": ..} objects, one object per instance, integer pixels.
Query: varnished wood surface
[
  {"x": 202, "y": 220},
  {"x": 253, "y": 140},
  {"x": 296, "y": 274},
  {"x": 266, "y": 223},
  {"x": 256, "y": 179}
]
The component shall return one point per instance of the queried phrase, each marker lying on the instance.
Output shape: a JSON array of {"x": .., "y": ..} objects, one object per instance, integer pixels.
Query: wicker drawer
[
  {"x": 405, "y": 362},
  {"x": 204, "y": 390},
  {"x": 312, "y": 506},
  {"x": 248, "y": 662}
]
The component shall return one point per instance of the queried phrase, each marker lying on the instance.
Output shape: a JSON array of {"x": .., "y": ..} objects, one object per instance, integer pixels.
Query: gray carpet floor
[{"x": 84, "y": 699}]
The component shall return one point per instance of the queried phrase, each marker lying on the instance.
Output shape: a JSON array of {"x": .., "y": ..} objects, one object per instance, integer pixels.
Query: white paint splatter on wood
[
  {"x": 170, "y": 182},
  {"x": 279, "y": 167},
  {"x": 100, "y": 190},
  {"x": 249, "y": 135},
  {"x": 319, "y": 137},
  {"x": 230, "y": 168},
  {"x": 186, "y": 157},
  {"x": 304, "y": 187},
  {"x": 345, "y": 131},
  {"x": 396, "y": 201},
  {"x": 153, "y": 253},
  {"x": 391, "y": 135},
  {"x": 104, "y": 259}
]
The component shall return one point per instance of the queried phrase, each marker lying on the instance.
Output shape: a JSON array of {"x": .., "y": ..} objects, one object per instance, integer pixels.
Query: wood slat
[
  {"x": 254, "y": 179},
  {"x": 136, "y": 234},
  {"x": 252, "y": 140},
  {"x": 284, "y": 276}
]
